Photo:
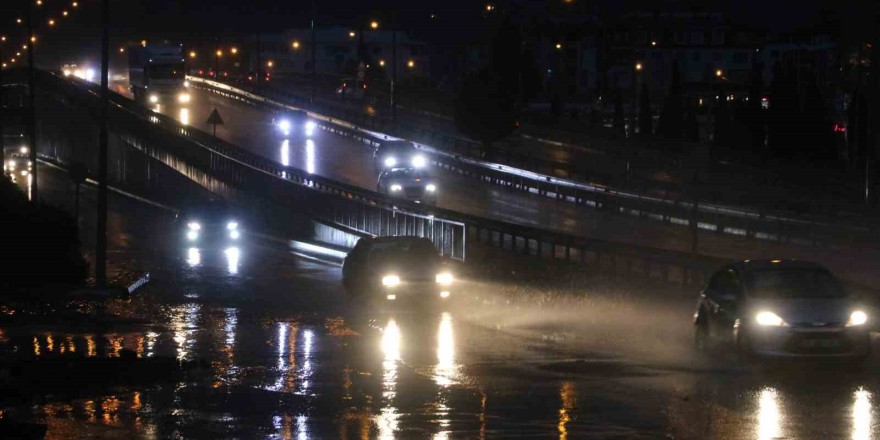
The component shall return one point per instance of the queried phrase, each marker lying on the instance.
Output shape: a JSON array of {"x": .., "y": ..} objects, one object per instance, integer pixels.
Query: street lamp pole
[
  {"x": 32, "y": 101},
  {"x": 393, "y": 70},
  {"x": 101, "y": 241}
]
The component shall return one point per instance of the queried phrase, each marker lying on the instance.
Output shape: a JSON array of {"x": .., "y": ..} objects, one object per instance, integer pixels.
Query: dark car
[
  {"x": 293, "y": 122},
  {"x": 412, "y": 184},
  {"x": 210, "y": 224},
  {"x": 395, "y": 266},
  {"x": 398, "y": 154},
  {"x": 781, "y": 309}
]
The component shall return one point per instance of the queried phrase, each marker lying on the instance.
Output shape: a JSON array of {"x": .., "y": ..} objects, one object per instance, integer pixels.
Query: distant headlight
[
  {"x": 232, "y": 226},
  {"x": 430, "y": 187},
  {"x": 284, "y": 125},
  {"x": 184, "y": 98},
  {"x": 233, "y": 234},
  {"x": 186, "y": 83},
  {"x": 192, "y": 235},
  {"x": 194, "y": 226},
  {"x": 857, "y": 318},
  {"x": 396, "y": 188},
  {"x": 444, "y": 278},
  {"x": 390, "y": 280},
  {"x": 154, "y": 98},
  {"x": 419, "y": 161},
  {"x": 390, "y": 161},
  {"x": 310, "y": 127},
  {"x": 769, "y": 319}
]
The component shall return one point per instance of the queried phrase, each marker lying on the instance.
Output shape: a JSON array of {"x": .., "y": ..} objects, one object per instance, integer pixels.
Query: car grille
[
  {"x": 414, "y": 191},
  {"x": 818, "y": 344}
]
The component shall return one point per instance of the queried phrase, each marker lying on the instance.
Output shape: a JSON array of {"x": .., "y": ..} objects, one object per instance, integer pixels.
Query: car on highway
[
  {"x": 398, "y": 154},
  {"x": 781, "y": 309},
  {"x": 18, "y": 165},
  {"x": 290, "y": 122},
  {"x": 414, "y": 184},
  {"x": 209, "y": 224},
  {"x": 397, "y": 267},
  {"x": 351, "y": 88}
]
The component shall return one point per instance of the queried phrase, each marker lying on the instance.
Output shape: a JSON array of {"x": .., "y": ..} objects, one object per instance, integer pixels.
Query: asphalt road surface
[{"x": 285, "y": 352}]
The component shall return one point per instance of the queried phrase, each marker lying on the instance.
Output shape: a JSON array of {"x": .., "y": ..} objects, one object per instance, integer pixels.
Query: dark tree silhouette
[
  {"x": 646, "y": 119},
  {"x": 672, "y": 116},
  {"x": 619, "y": 119},
  {"x": 782, "y": 127},
  {"x": 484, "y": 110}
]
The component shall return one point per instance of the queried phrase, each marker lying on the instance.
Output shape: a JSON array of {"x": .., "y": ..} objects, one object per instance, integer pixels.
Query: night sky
[{"x": 456, "y": 19}]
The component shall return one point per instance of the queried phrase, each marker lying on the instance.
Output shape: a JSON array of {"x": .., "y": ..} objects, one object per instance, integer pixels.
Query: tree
[
  {"x": 646, "y": 119},
  {"x": 755, "y": 113},
  {"x": 619, "y": 124},
  {"x": 672, "y": 115},
  {"x": 485, "y": 109},
  {"x": 818, "y": 136},
  {"x": 782, "y": 127}
]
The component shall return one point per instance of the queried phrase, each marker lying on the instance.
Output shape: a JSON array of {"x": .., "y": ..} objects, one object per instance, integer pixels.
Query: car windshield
[
  {"x": 407, "y": 173},
  {"x": 404, "y": 251},
  {"x": 795, "y": 284},
  {"x": 167, "y": 71},
  {"x": 210, "y": 213},
  {"x": 397, "y": 148}
]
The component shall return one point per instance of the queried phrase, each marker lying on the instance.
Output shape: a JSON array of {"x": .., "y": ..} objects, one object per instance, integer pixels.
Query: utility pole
[
  {"x": 101, "y": 241},
  {"x": 32, "y": 101},
  {"x": 393, "y": 70},
  {"x": 314, "y": 52}
]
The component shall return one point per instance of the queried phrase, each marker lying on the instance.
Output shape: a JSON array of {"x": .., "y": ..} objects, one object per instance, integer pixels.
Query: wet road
[
  {"x": 284, "y": 352},
  {"x": 344, "y": 160}
]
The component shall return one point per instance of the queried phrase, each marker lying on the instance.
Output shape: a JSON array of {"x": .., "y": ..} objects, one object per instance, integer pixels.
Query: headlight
[
  {"x": 194, "y": 226},
  {"x": 232, "y": 226},
  {"x": 311, "y": 126},
  {"x": 154, "y": 98},
  {"x": 284, "y": 125},
  {"x": 390, "y": 280},
  {"x": 396, "y": 188},
  {"x": 233, "y": 234},
  {"x": 769, "y": 319},
  {"x": 183, "y": 98},
  {"x": 419, "y": 161},
  {"x": 431, "y": 187},
  {"x": 192, "y": 235},
  {"x": 444, "y": 278},
  {"x": 857, "y": 318},
  {"x": 390, "y": 161},
  {"x": 186, "y": 83}
]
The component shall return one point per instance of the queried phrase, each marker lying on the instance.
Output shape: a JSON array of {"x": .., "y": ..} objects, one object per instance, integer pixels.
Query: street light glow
[
  {"x": 382, "y": 63},
  {"x": 558, "y": 46},
  {"x": 234, "y": 50},
  {"x": 639, "y": 66},
  {"x": 74, "y": 4},
  {"x": 143, "y": 42},
  {"x": 374, "y": 24},
  {"x": 490, "y": 7},
  {"x": 219, "y": 53},
  {"x": 718, "y": 73},
  {"x": 351, "y": 34},
  {"x": 192, "y": 54},
  {"x": 51, "y": 22},
  {"x": 121, "y": 50},
  {"x": 295, "y": 44},
  {"x": 270, "y": 63},
  {"x": 410, "y": 64},
  {"x": 64, "y": 13}
]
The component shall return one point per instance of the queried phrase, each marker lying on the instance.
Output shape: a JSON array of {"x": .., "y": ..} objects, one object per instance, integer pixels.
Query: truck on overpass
[{"x": 157, "y": 73}]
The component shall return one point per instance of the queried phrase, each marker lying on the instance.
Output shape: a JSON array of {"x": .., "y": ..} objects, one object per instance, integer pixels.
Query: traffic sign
[{"x": 215, "y": 120}]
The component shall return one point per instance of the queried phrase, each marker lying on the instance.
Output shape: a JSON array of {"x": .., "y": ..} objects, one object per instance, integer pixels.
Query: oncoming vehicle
[
  {"x": 413, "y": 184},
  {"x": 293, "y": 122},
  {"x": 351, "y": 88},
  {"x": 18, "y": 165},
  {"x": 781, "y": 309},
  {"x": 211, "y": 224},
  {"x": 398, "y": 154},
  {"x": 396, "y": 267}
]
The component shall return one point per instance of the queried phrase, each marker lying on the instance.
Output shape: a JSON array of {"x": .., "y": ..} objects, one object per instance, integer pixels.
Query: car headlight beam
[
  {"x": 284, "y": 125},
  {"x": 232, "y": 226},
  {"x": 234, "y": 234},
  {"x": 390, "y": 161},
  {"x": 857, "y": 317},
  {"x": 769, "y": 319},
  {"x": 396, "y": 187},
  {"x": 184, "y": 98},
  {"x": 154, "y": 99},
  {"x": 431, "y": 187},
  {"x": 391, "y": 280},
  {"x": 419, "y": 161},
  {"x": 195, "y": 226},
  {"x": 192, "y": 235},
  {"x": 444, "y": 278}
]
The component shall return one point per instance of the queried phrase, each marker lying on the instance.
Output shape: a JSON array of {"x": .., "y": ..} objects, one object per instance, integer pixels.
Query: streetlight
[
  {"x": 718, "y": 73},
  {"x": 382, "y": 63},
  {"x": 410, "y": 64},
  {"x": 490, "y": 7},
  {"x": 295, "y": 45},
  {"x": 374, "y": 24},
  {"x": 192, "y": 54},
  {"x": 351, "y": 34},
  {"x": 51, "y": 22},
  {"x": 233, "y": 50},
  {"x": 558, "y": 46},
  {"x": 219, "y": 53},
  {"x": 121, "y": 50},
  {"x": 270, "y": 63},
  {"x": 639, "y": 67}
]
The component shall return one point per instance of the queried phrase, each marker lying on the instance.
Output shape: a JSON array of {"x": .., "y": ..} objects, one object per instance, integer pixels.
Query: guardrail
[
  {"x": 365, "y": 212},
  {"x": 767, "y": 226}
]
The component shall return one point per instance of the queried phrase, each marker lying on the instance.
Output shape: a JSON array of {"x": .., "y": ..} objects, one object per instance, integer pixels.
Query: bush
[{"x": 40, "y": 244}]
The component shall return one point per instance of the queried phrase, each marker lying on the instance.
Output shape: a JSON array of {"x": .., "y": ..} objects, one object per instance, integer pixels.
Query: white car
[{"x": 782, "y": 309}]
